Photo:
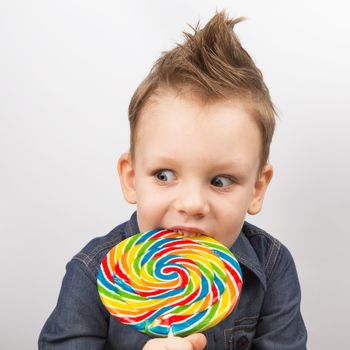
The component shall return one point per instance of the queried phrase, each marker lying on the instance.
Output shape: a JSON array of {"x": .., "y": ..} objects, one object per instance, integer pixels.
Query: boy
[{"x": 201, "y": 127}]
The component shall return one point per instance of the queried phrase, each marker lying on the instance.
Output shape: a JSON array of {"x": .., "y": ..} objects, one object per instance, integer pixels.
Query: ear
[
  {"x": 260, "y": 188},
  {"x": 127, "y": 177}
]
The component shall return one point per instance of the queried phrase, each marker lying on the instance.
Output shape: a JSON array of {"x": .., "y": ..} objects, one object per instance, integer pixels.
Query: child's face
[{"x": 195, "y": 167}]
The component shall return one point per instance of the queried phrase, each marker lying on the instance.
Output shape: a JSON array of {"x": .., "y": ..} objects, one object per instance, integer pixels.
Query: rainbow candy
[{"x": 160, "y": 279}]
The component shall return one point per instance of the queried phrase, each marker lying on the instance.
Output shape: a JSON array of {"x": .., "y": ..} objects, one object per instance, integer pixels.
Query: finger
[
  {"x": 154, "y": 344},
  {"x": 173, "y": 343},
  {"x": 198, "y": 341},
  {"x": 193, "y": 342}
]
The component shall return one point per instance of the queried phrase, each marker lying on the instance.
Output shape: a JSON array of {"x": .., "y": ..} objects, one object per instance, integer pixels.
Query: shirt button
[{"x": 242, "y": 343}]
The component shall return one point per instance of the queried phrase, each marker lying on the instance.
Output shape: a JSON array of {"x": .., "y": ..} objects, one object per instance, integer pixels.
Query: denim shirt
[{"x": 267, "y": 315}]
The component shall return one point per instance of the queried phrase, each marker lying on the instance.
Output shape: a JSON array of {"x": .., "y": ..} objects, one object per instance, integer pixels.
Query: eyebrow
[
  {"x": 237, "y": 169},
  {"x": 234, "y": 162},
  {"x": 237, "y": 164},
  {"x": 154, "y": 160}
]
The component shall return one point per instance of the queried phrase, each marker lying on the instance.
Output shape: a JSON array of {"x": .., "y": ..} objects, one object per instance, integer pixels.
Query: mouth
[{"x": 188, "y": 231}]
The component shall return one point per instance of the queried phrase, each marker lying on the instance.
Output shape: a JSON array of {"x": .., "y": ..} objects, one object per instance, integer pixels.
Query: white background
[{"x": 67, "y": 72}]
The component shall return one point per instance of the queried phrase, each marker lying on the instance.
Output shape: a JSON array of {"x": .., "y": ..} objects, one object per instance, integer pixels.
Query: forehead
[{"x": 185, "y": 123}]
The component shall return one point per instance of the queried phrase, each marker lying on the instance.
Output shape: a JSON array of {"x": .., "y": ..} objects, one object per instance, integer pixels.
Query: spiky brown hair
[{"x": 211, "y": 63}]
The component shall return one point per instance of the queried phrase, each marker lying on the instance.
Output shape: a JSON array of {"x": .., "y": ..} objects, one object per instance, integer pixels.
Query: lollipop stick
[{"x": 171, "y": 333}]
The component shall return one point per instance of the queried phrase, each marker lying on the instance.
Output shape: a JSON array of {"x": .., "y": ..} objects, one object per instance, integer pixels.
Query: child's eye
[
  {"x": 165, "y": 175},
  {"x": 221, "y": 181}
]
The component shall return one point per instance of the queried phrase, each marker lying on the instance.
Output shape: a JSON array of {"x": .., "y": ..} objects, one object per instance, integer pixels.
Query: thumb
[{"x": 198, "y": 341}]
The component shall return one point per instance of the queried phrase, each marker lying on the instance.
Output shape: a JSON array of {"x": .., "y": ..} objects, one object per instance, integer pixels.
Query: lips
[{"x": 189, "y": 231}]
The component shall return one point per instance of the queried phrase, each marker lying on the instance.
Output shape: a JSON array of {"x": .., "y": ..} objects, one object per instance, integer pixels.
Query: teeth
[{"x": 189, "y": 234}]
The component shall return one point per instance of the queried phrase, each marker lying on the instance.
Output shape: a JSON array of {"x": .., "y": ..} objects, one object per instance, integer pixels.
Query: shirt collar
[
  {"x": 132, "y": 227},
  {"x": 242, "y": 249},
  {"x": 246, "y": 255}
]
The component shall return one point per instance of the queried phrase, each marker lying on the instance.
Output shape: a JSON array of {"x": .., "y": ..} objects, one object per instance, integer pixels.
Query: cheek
[
  {"x": 151, "y": 196},
  {"x": 230, "y": 221},
  {"x": 151, "y": 206},
  {"x": 235, "y": 203}
]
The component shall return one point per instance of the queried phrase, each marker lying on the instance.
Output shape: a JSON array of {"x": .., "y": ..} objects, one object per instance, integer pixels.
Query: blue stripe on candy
[
  {"x": 160, "y": 331},
  {"x": 163, "y": 262},
  {"x": 219, "y": 284},
  {"x": 204, "y": 288},
  {"x": 139, "y": 326},
  {"x": 179, "y": 327},
  {"x": 154, "y": 248},
  {"x": 145, "y": 325},
  {"x": 229, "y": 258},
  {"x": 146, "y": 235},
  {"x": 167, "y": 294},
  {"x": 104, "y": 281},
  {"x": 122, "y": 285}
]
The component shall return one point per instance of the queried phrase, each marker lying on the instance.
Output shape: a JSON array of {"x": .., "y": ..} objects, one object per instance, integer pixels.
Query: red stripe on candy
[
  {"x": 106, "y": 269},
  {"x": 133, "y": 319},
  {"x": 160, "y": 234},
  {"x": 168, "y": 321},
  {"x": 190, "y": 298},
  {"x": 236, "y": 276},
  {"x": 119, "y": 272},
  {"x": 215, "y": 293}
]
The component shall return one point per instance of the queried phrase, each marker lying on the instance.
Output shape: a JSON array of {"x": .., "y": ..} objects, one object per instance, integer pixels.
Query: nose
[{"x": 192, "y": 201}]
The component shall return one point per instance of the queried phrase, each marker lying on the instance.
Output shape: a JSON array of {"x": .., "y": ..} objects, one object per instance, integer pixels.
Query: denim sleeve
[
  {"x": 79, "y": 320},
  {"x": 281, "y": 325}
]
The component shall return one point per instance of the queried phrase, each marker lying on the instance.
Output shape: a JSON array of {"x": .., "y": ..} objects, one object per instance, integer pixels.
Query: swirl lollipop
[{"x": 160, "y": 282}]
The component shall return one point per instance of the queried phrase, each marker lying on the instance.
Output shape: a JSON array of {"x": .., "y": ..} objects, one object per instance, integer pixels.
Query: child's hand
[{"x": 195, "y": 341}]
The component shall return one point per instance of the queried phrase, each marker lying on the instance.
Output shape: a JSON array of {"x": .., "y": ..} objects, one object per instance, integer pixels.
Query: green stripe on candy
[
  {"x": 216, "y": 246},
  {"x": 140, "y": 252},
  {"x": 221, "y": 274},
  {"x": 118, "y": 294},
  {"x": 130, "y": 242},
  {"x": 106, "y": 292},
  {"x": 203, "y": 323},
  {"x": 149, "y": 266},
  {"x": 206, "y": 272}
]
